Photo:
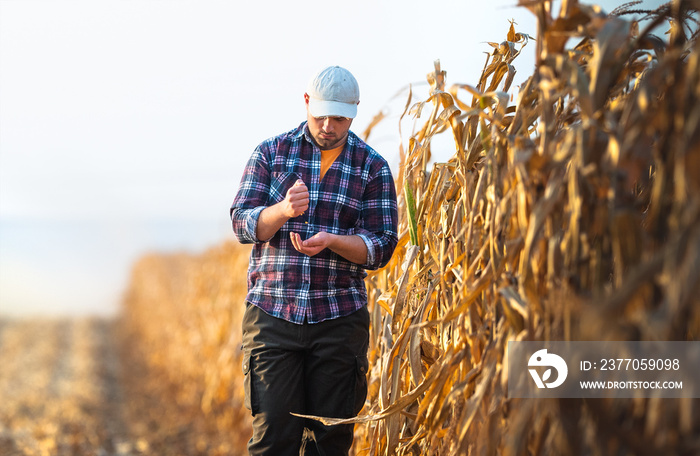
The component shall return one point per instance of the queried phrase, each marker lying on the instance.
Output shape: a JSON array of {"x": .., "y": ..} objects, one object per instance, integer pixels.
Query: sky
[{"x": 125, "y": 124}]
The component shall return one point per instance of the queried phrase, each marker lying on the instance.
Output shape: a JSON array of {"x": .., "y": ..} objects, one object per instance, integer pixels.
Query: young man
[{"x": 320, "y": 206}]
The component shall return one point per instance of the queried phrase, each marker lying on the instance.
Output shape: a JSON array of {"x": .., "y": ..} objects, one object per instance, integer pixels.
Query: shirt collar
[{"x": 303, "y": 132}]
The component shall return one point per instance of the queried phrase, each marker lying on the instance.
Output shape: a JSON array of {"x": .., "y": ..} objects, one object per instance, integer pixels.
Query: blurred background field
[
  {"x": 566, "y": 210},
  {"x": 124, "y": 126}
]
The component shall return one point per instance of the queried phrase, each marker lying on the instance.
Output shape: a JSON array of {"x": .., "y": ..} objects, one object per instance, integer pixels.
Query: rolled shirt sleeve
[
  {"x": 379, "y": 221},
  {"x": 251, "y": 199},
  {"x": 245, "y": 224},
  {"x": 370, "y": 248}
]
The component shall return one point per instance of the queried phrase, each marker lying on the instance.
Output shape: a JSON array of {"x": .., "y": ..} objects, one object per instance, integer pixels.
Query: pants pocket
[
  {"x": 361, "y": 368},
  {"x": 247, "y": 381}
]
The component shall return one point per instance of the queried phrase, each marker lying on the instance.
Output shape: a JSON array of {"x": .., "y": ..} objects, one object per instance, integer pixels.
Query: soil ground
[{"x": 69, "y": 387}]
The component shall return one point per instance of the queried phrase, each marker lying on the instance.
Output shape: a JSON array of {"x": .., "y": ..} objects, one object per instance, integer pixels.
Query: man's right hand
[
  {"x": 296, "y": 202},
  {"x": 271, "y": 219}
]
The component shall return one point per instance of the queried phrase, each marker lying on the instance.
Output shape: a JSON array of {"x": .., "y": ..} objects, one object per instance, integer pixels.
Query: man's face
[{"x": 328, "y": 132}]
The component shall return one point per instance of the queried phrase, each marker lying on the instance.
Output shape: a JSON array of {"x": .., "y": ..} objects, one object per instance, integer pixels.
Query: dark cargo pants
[{"x": 312, "y": 369}]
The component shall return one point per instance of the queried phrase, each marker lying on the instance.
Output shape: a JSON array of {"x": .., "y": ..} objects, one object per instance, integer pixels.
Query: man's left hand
[{"x": 313, "y": 245}]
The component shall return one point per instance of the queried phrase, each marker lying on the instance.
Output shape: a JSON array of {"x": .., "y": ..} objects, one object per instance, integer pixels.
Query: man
[{"x": 320, "y": 206}]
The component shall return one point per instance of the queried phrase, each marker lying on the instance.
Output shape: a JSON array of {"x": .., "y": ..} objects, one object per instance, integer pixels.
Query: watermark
[
  {"x": 603, "y": 369},
  {"x": 551, "y": 361}
]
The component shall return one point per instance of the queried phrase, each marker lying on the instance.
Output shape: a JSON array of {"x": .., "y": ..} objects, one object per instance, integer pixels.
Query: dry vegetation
[
  {"x": 181, "y": 324},
  {"x": 573, "y": 214}
]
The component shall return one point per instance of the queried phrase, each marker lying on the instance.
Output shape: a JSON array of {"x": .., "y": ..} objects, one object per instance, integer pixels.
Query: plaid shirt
[{"x": 357, "y": 196}]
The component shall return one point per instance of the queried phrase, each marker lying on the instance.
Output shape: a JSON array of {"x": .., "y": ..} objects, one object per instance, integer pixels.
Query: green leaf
[{"x": 411, "y": 206}]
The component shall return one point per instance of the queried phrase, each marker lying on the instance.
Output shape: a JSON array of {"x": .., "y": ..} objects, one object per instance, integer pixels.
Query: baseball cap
[{"x": 333, "y": 92}]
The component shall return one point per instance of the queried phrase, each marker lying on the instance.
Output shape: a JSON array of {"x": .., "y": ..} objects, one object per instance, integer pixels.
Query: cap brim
[{"x": 323, "y": 108}]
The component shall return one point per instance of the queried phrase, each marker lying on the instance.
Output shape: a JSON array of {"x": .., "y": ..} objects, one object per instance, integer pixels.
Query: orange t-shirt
[{"x": 328, "y": 157}]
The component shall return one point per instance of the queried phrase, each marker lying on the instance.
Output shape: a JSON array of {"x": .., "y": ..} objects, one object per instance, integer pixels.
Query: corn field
[
  {"x": 181, "y": 322},
  {"x": 571, "y": 213}
]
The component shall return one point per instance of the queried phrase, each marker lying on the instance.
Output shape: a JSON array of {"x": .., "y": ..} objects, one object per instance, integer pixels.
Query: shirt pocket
[{"x": 280, "y": 183}]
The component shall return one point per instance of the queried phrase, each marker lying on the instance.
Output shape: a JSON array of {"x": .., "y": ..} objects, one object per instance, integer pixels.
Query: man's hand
[
  {"x": 351, "y": 247},
  {"x": 313, "y": 245},
  {"x": 296, "y": 202}
]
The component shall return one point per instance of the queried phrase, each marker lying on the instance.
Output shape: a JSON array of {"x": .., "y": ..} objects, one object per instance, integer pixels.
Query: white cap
[{"x": 333, "y": 92}]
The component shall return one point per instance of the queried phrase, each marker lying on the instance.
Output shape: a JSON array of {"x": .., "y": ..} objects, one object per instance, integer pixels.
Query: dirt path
[
  {"x": 78, "y": 387},
  {"x": 60, "y": 390}
]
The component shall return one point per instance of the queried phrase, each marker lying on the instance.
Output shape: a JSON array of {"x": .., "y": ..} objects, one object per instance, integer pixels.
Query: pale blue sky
[{"x": 125, "y": 125}]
